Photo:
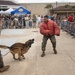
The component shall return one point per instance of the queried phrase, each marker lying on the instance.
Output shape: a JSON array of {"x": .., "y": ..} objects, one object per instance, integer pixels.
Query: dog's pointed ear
[{"x": 32, "y": 39}]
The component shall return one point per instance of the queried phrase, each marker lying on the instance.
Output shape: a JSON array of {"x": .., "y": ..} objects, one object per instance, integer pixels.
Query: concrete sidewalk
[{"x": 61, "y": 64}]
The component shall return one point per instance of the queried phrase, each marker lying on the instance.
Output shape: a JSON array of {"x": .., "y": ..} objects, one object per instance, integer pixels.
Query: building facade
[
  {"x": 6, "y": 4},
  {"x": 39, "y": 8}
]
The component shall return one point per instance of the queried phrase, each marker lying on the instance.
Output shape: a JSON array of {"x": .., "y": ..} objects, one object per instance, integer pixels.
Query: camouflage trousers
[
  {"x": 1, "y": 61},
  {"x": 52, "y": 39}
]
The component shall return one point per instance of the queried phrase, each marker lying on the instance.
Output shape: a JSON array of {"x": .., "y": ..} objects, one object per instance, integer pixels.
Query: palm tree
[
  {"x": 48, "y": 6},
  {"x": 67, "y": 6}
]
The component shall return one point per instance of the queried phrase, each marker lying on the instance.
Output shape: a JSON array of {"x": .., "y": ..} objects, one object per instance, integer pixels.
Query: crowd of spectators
[
  {"x": 67, "y": 23},
  {"x": 20, "y": 21}
]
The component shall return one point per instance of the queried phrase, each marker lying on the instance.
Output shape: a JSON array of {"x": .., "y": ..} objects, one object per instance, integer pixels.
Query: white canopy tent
[
  {"x": 9, "y": 11},
  {"x": 2, "y": 12}
]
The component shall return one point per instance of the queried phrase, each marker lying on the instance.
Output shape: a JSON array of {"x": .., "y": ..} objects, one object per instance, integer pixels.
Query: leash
[{"x": 6, "y": 54}]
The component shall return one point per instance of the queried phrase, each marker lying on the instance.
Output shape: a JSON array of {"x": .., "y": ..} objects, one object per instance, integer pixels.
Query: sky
[{"x": 42, "y": 1}]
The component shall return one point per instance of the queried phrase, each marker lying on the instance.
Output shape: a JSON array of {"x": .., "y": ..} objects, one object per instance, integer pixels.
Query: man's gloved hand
[
  {"x": 48, "y": 34},
  {"x": 58, "y": 34}
]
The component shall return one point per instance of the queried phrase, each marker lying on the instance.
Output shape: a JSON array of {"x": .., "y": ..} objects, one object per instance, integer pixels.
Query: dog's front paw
[
  {"x": 15, "y": 58},
  {"x": 23, "y": 57},
  {"x": 19, "y": 59}
]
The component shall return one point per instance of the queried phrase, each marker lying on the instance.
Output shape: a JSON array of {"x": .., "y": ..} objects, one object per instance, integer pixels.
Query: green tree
[
  {"x": 48, "y": 6},
  {"x": 67, "y": 6}
]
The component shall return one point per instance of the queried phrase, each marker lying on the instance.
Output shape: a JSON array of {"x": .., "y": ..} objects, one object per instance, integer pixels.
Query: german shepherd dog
[{"x": 20, "y": 48}]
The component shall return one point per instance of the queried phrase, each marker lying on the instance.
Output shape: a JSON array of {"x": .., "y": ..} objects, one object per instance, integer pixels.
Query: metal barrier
[
  {"x": 0, "y": 30},
  {"x": 69, "y": 27}
]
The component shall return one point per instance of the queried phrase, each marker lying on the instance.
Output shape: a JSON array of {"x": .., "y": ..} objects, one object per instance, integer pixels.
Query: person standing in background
[
  {"x": 0, "y": 25},
  {"x": 39, "y": 20},
  {"x": 70, "y": 18},
  {"x": 34, "y": 19},
  {"x": 27, "y": 21},
  {"x": 42, "y": 19},
  {"x": 30, "y": 21}
]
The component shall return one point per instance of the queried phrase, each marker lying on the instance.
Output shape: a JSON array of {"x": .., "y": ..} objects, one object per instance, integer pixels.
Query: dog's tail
[{"x": 4, "y": 47}]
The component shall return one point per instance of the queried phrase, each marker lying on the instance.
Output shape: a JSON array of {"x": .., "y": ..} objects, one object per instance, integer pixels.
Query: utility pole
[{"x": 56, "y": 3}]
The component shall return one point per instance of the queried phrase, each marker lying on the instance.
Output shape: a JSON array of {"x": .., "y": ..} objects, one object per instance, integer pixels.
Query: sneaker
[{"x": 4, "y": 68}]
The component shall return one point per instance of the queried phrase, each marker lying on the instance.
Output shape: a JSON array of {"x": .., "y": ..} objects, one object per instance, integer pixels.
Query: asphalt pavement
[{"x": 62, "y": 63}]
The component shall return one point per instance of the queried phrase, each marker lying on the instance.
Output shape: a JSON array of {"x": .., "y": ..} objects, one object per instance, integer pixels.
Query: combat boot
[
  {"x": 5, "y": 68},
  {"x": 2, "y": 67},
  {"x": 55, "y": 51},
  {"x": 43, "y": 54}
]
